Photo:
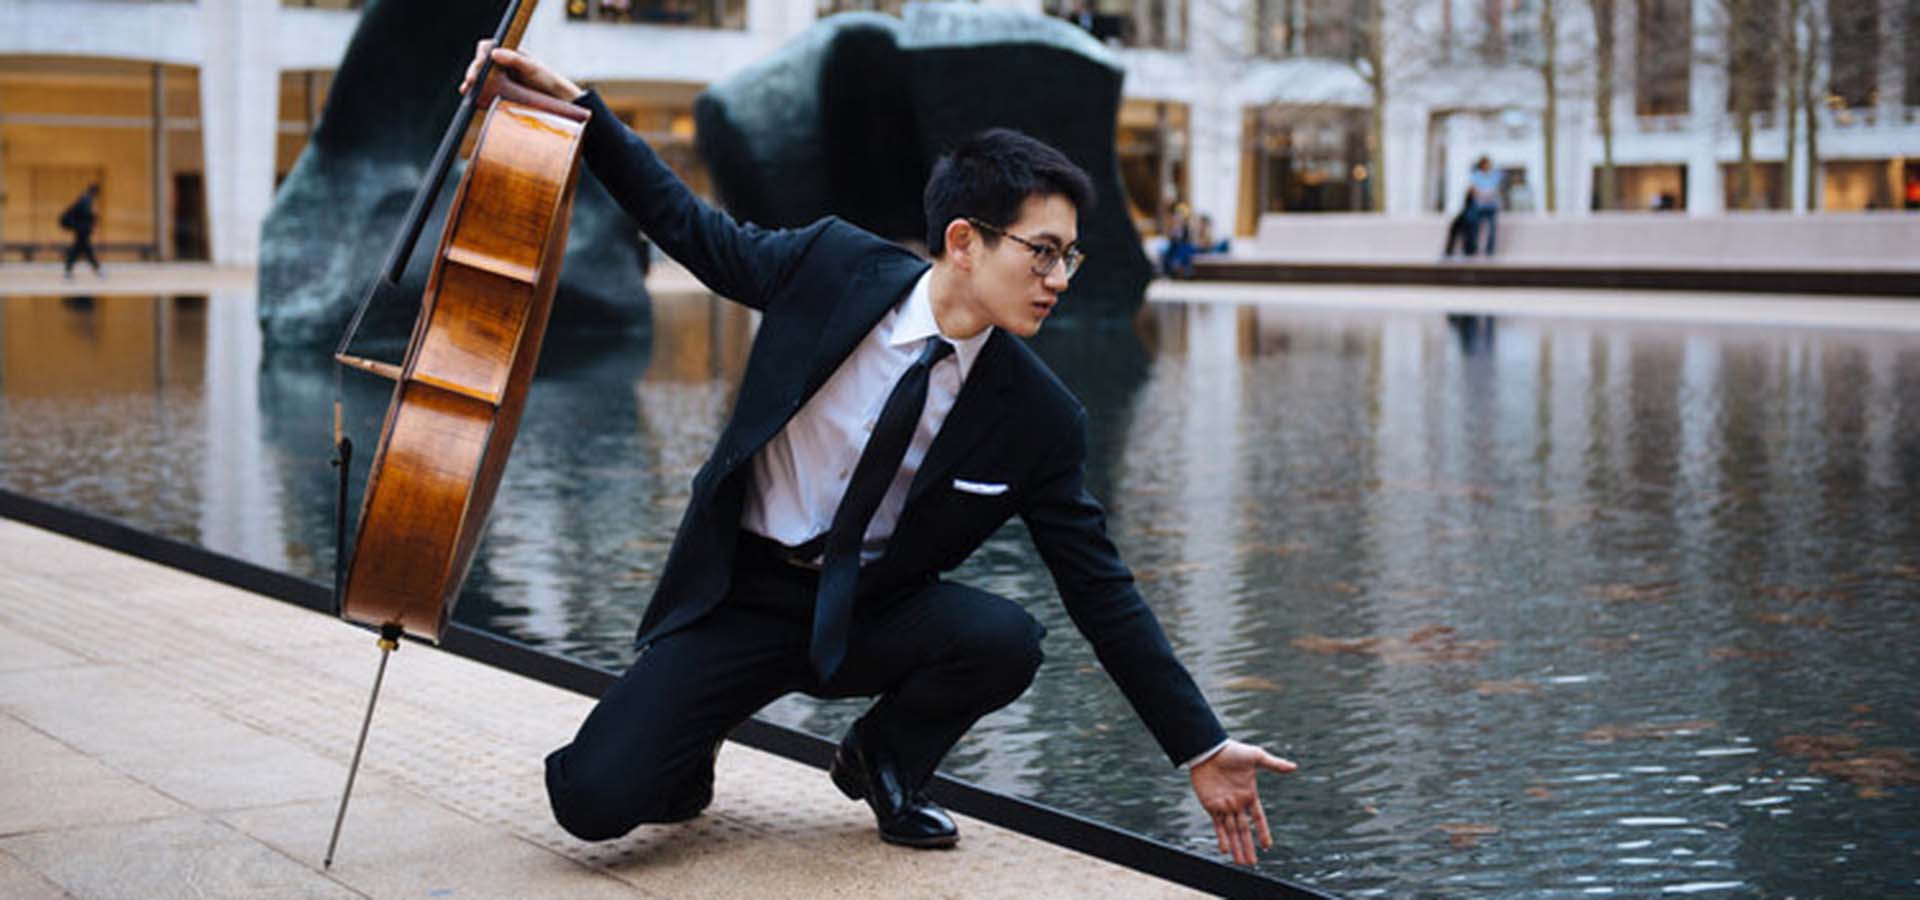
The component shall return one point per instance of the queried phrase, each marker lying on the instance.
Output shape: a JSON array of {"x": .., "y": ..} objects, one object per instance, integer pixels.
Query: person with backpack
[{"x": 80, "y": 219}]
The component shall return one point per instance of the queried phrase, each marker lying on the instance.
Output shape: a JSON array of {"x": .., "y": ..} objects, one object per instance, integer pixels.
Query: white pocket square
[{"x": 983, "y": 488}]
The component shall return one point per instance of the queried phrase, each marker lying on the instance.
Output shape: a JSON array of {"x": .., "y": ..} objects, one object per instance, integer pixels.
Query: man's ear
[{"x": 962, "y": 242}]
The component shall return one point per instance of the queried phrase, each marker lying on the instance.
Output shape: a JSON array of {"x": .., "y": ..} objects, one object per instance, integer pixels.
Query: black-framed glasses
[{"x": 1045, "y": 255}]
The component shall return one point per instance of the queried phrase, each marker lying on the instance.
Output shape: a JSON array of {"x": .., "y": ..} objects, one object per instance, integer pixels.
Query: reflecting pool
[{"x": 1541, "y": 606}]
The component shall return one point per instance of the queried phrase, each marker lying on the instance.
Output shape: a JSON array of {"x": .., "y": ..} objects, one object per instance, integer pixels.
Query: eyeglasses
[{"x": 1045, "y": 255}]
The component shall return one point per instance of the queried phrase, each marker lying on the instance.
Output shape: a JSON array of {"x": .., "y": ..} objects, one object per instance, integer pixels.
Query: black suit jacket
[{"x": 821, "y": 289}]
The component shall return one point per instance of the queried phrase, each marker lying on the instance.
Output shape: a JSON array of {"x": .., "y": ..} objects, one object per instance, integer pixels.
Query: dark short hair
[{"x": 989, "y": 175}]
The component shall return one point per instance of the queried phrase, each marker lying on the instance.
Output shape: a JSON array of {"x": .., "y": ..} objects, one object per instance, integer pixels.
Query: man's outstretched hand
[{"x": 1227, "y": 787}]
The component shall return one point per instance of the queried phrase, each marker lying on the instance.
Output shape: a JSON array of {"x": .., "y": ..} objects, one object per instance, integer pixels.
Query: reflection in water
[{"x": 1592, "y": 606}]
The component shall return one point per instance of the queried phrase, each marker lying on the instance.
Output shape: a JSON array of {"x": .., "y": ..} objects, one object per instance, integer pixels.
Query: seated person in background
[
  {"x": 1457, "y": 229},
  {"x": 1203, "y": 238},
  {"x": 1483, "y": 204},
  {"x": 1176, "y": 261}
]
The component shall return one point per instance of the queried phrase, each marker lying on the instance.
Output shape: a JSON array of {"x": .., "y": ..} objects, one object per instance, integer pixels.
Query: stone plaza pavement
[{"x": 169, "y": 736}]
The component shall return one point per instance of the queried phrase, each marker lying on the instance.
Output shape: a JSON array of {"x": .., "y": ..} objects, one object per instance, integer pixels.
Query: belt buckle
[{"x": 800, "y": 563}]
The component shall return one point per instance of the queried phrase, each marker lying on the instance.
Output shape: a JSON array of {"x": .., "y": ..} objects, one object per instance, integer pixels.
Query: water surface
[{"x": 1542, "y": 606}]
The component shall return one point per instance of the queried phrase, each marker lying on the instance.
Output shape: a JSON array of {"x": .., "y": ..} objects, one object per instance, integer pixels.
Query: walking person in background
[
  {"x": 79, "y": 219},
  {"x": 1483, "y": 204}
]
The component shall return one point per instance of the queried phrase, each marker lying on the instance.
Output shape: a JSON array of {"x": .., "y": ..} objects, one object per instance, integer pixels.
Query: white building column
[
  {"x": 1217, "y": 112},
  {"x": 1213, "y": 158},
  {"x": 1706, "y": 104},
  {"x": 1406, "y": 157},
  {"x": 1578, "y": 144},
  {"x": 239, "y": 115}
]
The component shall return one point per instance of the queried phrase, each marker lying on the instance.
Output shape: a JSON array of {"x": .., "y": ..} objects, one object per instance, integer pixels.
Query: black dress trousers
[{"x": 939, "y": 656}]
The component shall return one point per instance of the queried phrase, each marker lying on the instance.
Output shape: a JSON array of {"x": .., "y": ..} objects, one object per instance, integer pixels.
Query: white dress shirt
[{"x": 800, "y": 475}]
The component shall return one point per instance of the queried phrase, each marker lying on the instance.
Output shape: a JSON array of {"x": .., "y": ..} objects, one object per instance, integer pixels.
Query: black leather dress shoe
[{"x": 905, "y": 817}]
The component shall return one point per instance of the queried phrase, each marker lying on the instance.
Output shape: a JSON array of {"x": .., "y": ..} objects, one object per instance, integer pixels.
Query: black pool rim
[{"x": 1044, "y": 823}]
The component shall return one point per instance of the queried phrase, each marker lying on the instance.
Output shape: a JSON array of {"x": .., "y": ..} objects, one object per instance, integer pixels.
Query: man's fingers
[
  {"x": 1275, "y": 763},
  {"x": 1260, "y": 820},
  {"x": 1242, "y": 844}
]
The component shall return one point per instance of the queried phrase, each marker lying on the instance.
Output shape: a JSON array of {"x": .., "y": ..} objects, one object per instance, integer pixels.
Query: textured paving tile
[
  {"x": 47, "y": 785},
  {"x": 150, "y": 683},
  {"x": 17, "y": 882},
  {"x": 18, "y": 651},
  {"x": 178, "y": 746},
  {"x": 189, "y": 856},
  {"x": 398, "y": 844}
]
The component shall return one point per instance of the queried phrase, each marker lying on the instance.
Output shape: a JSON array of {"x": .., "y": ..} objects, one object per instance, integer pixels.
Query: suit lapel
[
  {"x": 870, "y": 293},
  {"x": 981, "y": 404}
]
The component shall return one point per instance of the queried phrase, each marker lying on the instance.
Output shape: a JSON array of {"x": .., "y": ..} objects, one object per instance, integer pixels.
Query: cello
[{"x": 462, "y": 383}]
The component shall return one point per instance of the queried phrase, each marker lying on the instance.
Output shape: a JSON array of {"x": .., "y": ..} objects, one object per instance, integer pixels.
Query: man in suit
[{"x": 887, "y": 424}]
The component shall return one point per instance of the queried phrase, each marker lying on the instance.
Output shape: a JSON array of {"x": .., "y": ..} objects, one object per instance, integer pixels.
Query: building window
[
  {"x": 1913, "y": 53},
  {"x": 1275, "y": 25},
  {"x": 1753, "y": 54},
  {"x": 1663, "y": 36},
  {"x": 1493, "y": 31},
  {"x": 133, "y": 128},
  {"x": 730, "y": 14},
  {"x": 1655, "y": 188},
  {"x": 1306, "y": 159},
  {"x": 1152, "y": 146},
  {"x": 1866, "y": 185},
  {"x": 1158, "y": 24},
  {"x": 1853, "y": 52},
  {"x": 1335, "y": 29}
]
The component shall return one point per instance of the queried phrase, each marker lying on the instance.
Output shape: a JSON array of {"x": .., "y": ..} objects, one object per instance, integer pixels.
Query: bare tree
[
  {"x": 1605, "y": 51},
  {"x": 1801, "y": 52},
  {"x": 1749, "y": 35},
  {"x": 1549, "y": 67}
]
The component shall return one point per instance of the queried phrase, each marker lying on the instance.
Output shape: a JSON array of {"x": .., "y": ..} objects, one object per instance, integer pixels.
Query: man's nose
[{"x": 1056, "y": 280}]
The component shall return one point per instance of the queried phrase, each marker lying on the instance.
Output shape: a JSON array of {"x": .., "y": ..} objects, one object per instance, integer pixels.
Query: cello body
[{"x": 462, "y": 385}]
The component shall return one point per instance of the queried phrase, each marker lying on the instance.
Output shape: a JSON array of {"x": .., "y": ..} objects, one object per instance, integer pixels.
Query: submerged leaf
[
  {"x": 1816, "y": 746},
  {"x": 1252, "y": 683},
  {"x": 1490, "y": 688},
  {"x": 1726, "y": 654},
  {"x": 1880, "y": 767},
  {"x": 1649, "y": 730},
  {"x": 1652, "y": 592},
  {"x": 1789, "y": 619},
  {"x": 1431, "y": 644},
  {"x": 1466, "y": 834}
]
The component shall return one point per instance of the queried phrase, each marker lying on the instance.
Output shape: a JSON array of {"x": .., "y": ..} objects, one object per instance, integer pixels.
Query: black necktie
[{"x": 879, "y": 463}]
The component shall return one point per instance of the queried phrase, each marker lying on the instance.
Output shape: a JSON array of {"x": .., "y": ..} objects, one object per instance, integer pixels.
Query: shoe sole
[{"x": 934, "y": 843}]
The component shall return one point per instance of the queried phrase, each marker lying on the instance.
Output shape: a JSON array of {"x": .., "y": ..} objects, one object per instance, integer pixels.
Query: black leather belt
[{"x": 766, "y": 550}]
